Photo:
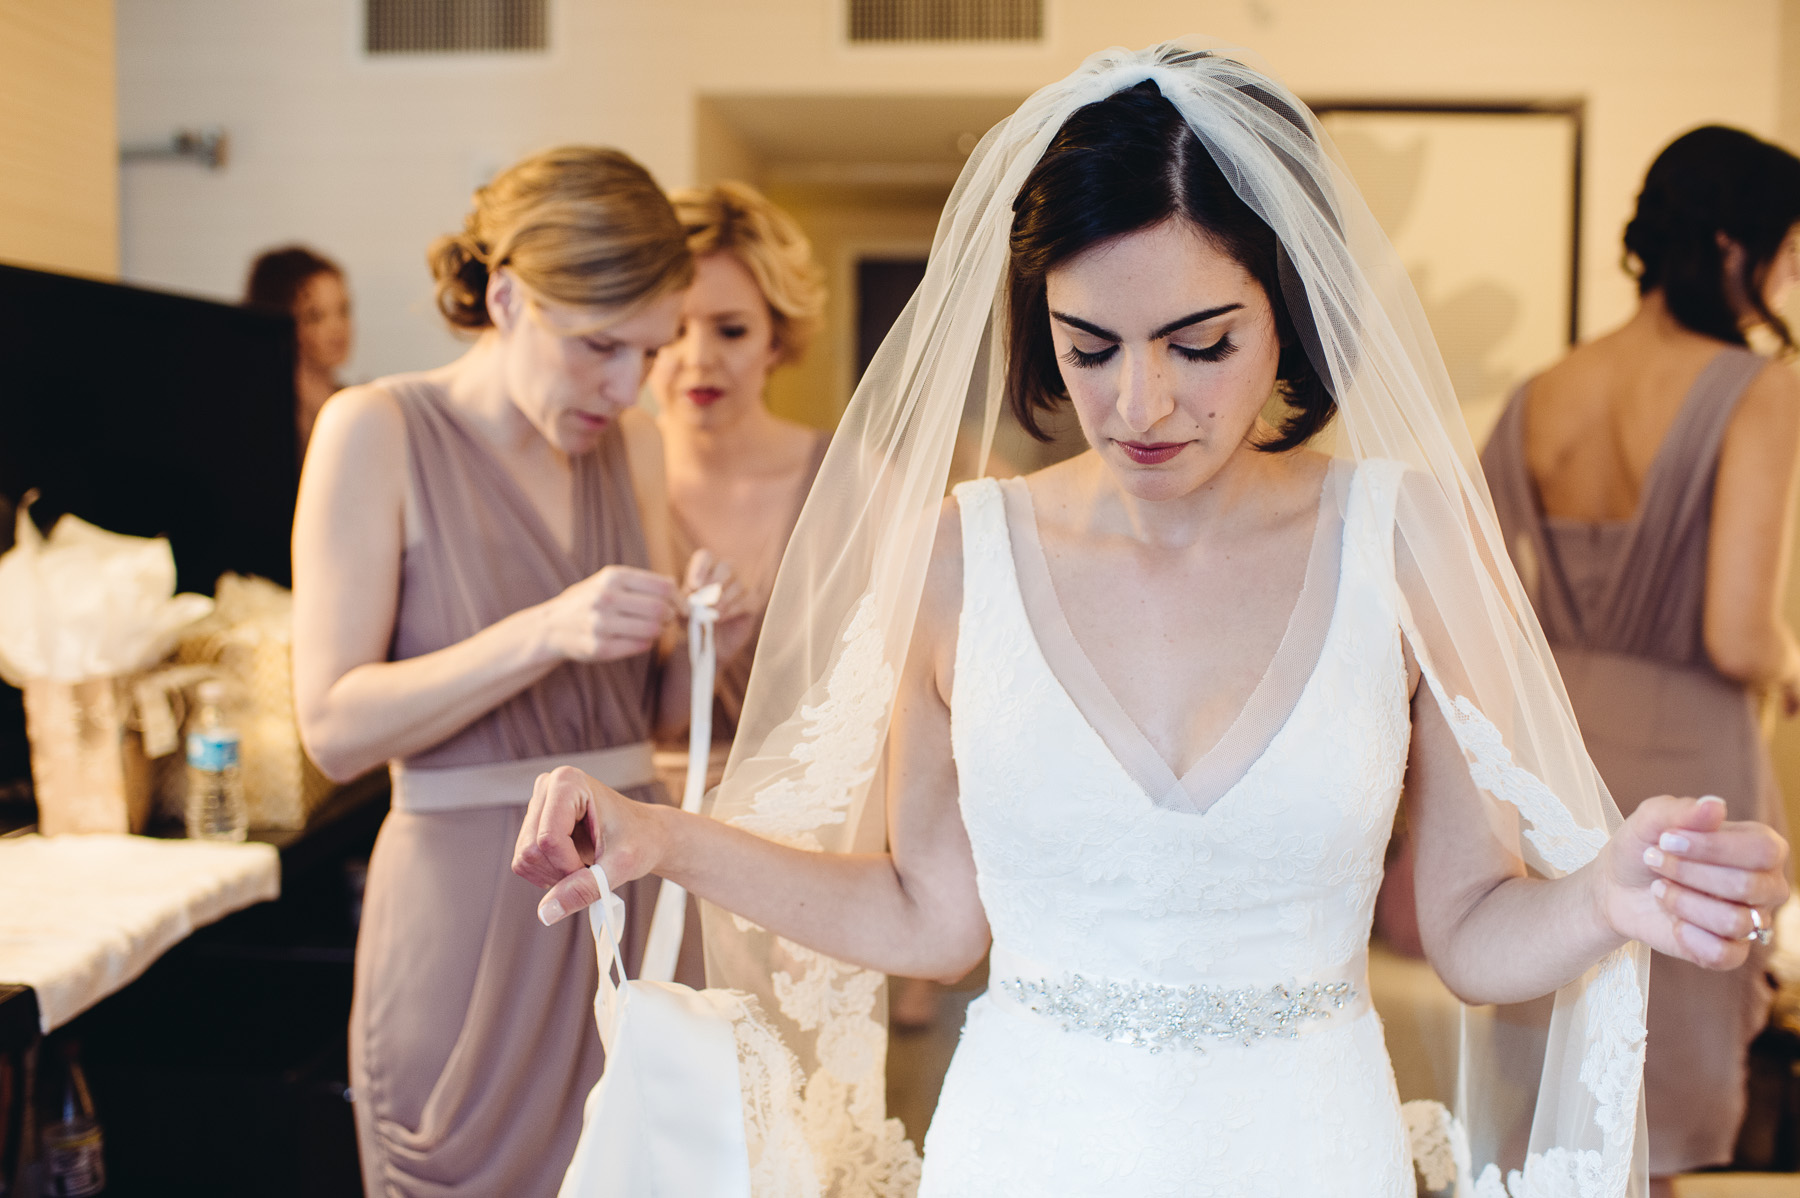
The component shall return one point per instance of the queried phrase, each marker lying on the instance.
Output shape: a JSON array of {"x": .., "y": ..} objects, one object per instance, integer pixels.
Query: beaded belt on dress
[{"x": 1156, "y": 1015}]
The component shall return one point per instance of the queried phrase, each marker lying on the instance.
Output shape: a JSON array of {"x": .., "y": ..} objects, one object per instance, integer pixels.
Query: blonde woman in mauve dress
[
  {"x": 1645, "y": 486},
  {"x": 738, "y": 473},
  {"x": 483, "y": 580}
]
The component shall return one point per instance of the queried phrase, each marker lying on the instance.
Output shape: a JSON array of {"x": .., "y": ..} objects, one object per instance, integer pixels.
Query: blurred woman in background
[
  {"x": 482, "y": 580},
  {"x": 297, "y": 282},
  {"x": 1645, "y": 485},
  {"x": 738, "y": 473}
]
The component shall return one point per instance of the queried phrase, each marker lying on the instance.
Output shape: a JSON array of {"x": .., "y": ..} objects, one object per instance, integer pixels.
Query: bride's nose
[{"x": 1146, "y": 392}]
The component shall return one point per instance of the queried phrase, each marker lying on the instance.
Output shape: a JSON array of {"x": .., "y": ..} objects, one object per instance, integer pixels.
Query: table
[
  {"x": 310, "y": 866},
  {"x": 348, "y": 814},
  {"x": 81, "y": 917}
]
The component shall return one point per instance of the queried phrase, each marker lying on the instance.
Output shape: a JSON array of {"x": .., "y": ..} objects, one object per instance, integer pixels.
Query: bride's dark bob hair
[{"x": 1119, "y": 165}]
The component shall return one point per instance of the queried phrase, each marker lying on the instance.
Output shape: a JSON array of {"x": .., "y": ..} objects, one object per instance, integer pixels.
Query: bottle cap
[{"x": 211, "y": 691}]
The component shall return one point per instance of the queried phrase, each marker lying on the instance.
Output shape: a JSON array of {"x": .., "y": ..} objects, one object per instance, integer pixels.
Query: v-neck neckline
[
  {"x": 1271, "y": 704},
  {"x": 570, "y": 555}
]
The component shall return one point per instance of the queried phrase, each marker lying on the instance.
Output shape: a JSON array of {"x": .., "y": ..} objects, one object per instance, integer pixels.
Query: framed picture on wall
[{"x": 1483, "y": 203}]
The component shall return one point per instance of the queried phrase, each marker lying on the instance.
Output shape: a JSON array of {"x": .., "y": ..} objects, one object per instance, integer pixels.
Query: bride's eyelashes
[
  {"x": 1076, "y": 357},
  {"x": 1218, "y": 351}
]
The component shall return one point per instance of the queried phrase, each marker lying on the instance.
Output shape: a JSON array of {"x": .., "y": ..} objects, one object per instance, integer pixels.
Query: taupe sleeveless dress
[
  {"x": 472, "y": 1037},
  {"x": 1621, "y": 603}
]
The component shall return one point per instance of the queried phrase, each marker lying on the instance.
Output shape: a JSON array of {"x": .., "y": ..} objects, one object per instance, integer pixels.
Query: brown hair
[
  {"x": 578, "y": 225},
  {"x": 1118, "y": 165},
  {"x": 735, "y": 218},
  {"x": 277, "y": 276},
  {"x": 1714, "y": 180}
]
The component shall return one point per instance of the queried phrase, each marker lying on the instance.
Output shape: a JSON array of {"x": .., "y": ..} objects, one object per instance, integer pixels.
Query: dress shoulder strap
[
  {"x": 1679, "y": 482},
  {"x": 1369, "y": 497},
  {"x": 983, "y": 511},
  {"x": 433, "y": 449},
  {"x": 987, "y": 544}
]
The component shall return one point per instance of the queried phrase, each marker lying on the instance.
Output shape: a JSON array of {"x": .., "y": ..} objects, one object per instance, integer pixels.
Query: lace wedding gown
[{"x": 1178, "y": 1000}]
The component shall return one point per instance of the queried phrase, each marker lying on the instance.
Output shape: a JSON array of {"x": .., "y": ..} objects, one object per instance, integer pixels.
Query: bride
[{"x": 1140, "y": 722}]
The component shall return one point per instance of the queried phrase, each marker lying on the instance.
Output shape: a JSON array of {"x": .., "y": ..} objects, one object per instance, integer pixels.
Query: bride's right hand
[{"x": 572, "y": 821}]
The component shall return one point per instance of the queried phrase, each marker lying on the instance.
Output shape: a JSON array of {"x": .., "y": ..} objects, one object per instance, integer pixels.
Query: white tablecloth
[{"x": 81, "y": 916}]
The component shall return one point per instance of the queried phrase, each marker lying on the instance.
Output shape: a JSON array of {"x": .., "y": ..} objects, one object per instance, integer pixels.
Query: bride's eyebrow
[
  {"x": 1174, "y": 326},
  {"x": 1200, "y": 317}
]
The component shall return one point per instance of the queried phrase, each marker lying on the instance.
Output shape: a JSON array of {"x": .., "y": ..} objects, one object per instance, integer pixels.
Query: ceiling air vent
[
  {"x": 454, "y": 26},
  {"x": 946, "y": 20}
]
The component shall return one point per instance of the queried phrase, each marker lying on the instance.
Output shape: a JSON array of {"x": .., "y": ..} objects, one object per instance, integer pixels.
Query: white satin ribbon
[{"x": 663, "y": 947}]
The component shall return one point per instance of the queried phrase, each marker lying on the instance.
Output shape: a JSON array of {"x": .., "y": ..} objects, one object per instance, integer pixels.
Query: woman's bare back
[{"x": 1595, "y": 421}]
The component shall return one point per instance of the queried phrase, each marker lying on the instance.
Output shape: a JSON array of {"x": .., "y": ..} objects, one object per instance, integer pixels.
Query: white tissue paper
[{"x": 87, "y": 603}]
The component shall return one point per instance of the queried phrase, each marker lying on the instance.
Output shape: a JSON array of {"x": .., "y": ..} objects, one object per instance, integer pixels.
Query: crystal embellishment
[{"x": 1157, "y": 1017}]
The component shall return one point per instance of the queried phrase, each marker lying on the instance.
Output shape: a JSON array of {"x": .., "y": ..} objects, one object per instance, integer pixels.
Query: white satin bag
[{"x": 667, "y": 1116}]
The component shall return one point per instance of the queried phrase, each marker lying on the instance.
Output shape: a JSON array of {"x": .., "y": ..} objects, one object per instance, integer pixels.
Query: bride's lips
[
  {"x": 704, "y": 397},
  {"x": 1151, "y": 453}
]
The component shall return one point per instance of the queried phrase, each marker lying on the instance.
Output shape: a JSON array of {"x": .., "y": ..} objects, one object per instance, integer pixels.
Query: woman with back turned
[{"x": 1645, "y": 487}]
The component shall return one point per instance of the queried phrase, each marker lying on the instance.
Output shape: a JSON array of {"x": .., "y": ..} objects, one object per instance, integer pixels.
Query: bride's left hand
[{"x": 1680, "y": 878}]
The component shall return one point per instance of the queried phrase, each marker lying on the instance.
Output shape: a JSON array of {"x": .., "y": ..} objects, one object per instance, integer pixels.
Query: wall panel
[{"x": 59, "y": 148}]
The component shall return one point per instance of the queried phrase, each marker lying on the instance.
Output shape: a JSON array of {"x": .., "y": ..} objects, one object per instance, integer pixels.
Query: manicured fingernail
[
  {"x": 1653, "y": 857},
  {"x": 1659, "y": 888},
  {"x": 1674, "y": 843},
  {"x": 549, "y": 911},
  {"x": 1712, "y": 799}
]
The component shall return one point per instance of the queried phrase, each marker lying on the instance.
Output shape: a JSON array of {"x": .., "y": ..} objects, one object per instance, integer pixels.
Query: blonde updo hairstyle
[
  {"x": 735, "y": 218},
  {"x": 579, "y": 225}
]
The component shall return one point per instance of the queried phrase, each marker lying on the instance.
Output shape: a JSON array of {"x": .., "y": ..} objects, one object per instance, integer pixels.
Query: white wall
[{"x": 370, "y": 160}]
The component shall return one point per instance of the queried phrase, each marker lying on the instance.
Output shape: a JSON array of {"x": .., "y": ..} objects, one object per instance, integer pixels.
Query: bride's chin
[{"x": 1157, "y": 486}]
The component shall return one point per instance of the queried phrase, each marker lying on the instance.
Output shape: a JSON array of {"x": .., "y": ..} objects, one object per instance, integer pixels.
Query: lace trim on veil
[
  {"x": 1613, "y": 1066},
  {"x": 825, "y": 1132}
]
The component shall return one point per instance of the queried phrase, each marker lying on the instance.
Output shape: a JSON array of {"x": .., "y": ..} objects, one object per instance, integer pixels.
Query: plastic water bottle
[
  {"x": 215, "y": 790},
  {"x": 73, "y": 1164}
]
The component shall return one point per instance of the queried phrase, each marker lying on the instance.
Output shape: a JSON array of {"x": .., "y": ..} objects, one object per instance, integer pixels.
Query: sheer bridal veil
[{"x": 806, "y": 765}]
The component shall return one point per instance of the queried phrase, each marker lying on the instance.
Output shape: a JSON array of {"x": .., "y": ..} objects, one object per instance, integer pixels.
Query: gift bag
[
  {"x": 666, "y": 1118},
  {"x": 86, "y": 615},
  {"x": 248, "y": 641},
  {"x": 88, "y": 768}
]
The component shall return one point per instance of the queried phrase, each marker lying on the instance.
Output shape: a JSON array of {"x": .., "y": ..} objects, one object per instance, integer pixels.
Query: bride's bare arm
[
  {"x": 912, "y": 911},
  {"x": 1496, "y": 935}
]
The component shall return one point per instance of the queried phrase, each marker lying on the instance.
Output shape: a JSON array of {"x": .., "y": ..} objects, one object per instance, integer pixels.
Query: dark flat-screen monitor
[{"x": 150, "y": 414}]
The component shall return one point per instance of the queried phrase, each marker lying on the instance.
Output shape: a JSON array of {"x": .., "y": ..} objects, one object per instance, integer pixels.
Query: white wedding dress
[{"x": 1178, "y": 1000}]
